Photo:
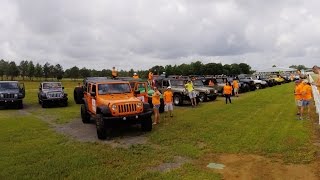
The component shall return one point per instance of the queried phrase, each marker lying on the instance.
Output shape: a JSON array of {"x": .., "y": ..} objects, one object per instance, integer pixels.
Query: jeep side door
[{"x": 89, "y": 98}]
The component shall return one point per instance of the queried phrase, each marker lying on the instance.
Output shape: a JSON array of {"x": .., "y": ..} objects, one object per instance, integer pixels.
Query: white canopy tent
[{"x": 275, "y": 70}]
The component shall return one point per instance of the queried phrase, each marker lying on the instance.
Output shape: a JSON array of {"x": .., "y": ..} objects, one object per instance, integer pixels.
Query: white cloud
[{"x": 140, "y": 34}]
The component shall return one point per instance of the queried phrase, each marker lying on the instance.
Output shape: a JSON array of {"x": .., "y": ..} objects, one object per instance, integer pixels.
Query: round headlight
[
  {"x": 139, "y": 104},
  {"x": 61, "y": 95},
  {"x": 1, "y": 95},
  {"x": 114, "y": 107},
  {"x": 15, "y": 95},
  {"x": 215, "y": 91},
  {"x": 207, "y": 91}
]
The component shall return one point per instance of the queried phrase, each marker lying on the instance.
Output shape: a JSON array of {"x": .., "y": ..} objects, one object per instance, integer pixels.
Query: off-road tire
[
  {"x": 212, "y": 98},
  {"x": 203, "y": 97},
  {"x": 177, "y": 100},
  {"x": 146, "y": 124},
  {"x": 65, "y": 104},
  {"x": 78, "y": 95},
  {"x": 44, "y": 104},
  {"x": 101, "y": 128},
  {"x": 258, "y": 86},
  {"x": 85, "y": 116},
  {"x": 20, "y": 105}
]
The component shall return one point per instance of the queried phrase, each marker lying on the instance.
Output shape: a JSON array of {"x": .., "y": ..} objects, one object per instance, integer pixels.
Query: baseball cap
[{"x": 169, "y": 87}]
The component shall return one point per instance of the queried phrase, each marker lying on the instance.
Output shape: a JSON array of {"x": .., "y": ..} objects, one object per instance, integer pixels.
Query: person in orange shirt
[
  {"x": 227, "y": 91},
  {"x": 135, "y": 76},
  {"x": 306, "y": 97},
  {"x": 168, "y": 101},
  {"x": 156, "y": 105},
  {"x": 235, "y": 87},
  {"x": 114, "y": 73},
  {"x": 298, "y": 97},
  {"x": 150, "y": 78}
]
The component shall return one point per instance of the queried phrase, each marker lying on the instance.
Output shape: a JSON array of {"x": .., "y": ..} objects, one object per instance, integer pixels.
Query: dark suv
[
  {"x": 51, "y": 93},
  {"x": 12, "y": 93}
]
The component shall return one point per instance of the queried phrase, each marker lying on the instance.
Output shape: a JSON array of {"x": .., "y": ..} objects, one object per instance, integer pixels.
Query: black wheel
[
  {"x": 85, "y": 116},
  {"x": 212, "y": 98},
  {"x": 258, "y": 86},
  {"x": 146, "y": 124},
  {"x": 203, "y": 97},
  {"x": 65, "y": 104},
  {"x": 44, "y": 104},
  {"x": 78, "y": 95},
  {"x": 177, "y": 99},
  {"x": 101, "y": 129},
  {"x": 20, "y": 105}
]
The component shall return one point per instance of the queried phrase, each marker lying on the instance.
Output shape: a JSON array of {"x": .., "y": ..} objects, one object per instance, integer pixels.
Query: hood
[
  {"x": 52, "y": 90},
  {"x": 111, "y": 99},
  {"x": 9, "y": 91}
]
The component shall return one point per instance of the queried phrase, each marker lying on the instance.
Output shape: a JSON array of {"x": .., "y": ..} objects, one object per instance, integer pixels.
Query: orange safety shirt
[
  {"x": 306, "y": 92},
  {"x": 135, "y": 77},
  {"x": 298, "y": 91},
  {"x": 168, "y": 97},
  {"x": 227, "y": 89},
  {"x": 114, "y": 73},
  {"x": 156, "y": 98},
  {"x": 235, "y": 84}
]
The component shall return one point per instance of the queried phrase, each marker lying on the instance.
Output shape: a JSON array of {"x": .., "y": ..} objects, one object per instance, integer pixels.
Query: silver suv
[
  {"x": 12, "y": 93},
  {"x": 51, "y": 93}
]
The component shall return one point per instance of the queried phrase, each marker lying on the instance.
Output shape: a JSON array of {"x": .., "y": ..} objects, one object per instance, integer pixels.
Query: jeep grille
[
  {"x": 8, "y": 96},
  {"x": 127, "y": 108},
  {"x": 54, "y": 95}
]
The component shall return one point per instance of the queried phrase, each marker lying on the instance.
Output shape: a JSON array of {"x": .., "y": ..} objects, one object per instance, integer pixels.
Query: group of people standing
[
  {"x": 228, "y": 88},
  {"x": 303, "y": 96}
]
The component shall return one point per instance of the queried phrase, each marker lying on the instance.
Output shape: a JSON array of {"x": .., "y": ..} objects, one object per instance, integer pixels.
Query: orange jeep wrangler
[{"x": 112, "y": 102}]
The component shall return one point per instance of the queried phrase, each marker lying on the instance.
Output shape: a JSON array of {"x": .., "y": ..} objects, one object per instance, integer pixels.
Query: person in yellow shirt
[
  {"x": 150, "y": 78},
  {"x": 114, "y": 73},
  {"x": 189, "y": 87},
  {"x": 235, "y": 87},
  {"x": 135, "y": 76},
  {"x": 156, "y": 105},
  {"x": 306, "y": 97},
  {"x": 168, "y": 101},
  {"x": 298, "y": 97},
  {"x": 227, "y": 91}
]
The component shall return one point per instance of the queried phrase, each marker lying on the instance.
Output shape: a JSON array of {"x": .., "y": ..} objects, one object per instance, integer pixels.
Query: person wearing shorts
[
  {"x": 190, "y": 89},
  {"x": 235, "y": 87},
  {"x": 168, "y": 101},
  {"x": 298, "y": 97},
  {"x": 306, "y": 97},
  {"x": 156, "y": 105}
]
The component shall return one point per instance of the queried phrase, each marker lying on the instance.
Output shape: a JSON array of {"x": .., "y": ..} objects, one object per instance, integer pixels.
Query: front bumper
[
  {"x": 133, "y": 119},
  {"x": 10, "y": 101},
  {"x": 55, "y": 100}
]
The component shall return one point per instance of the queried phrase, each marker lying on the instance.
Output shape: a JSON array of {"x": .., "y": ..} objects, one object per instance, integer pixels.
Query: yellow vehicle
[
  {"x": 113, "y": 102},
  {"x": 278, "y": 79}
]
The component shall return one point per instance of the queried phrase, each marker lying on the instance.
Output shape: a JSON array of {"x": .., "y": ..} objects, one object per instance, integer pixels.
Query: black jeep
[
  {"x": 12, "y": 93},
  {"x": 51, "y": 93}
]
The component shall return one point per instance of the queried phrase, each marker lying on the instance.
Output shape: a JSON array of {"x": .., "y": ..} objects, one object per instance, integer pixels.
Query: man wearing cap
[
  {"x": 135, "y": 76},
  {"x": 168, "y": 101},
  {"x": 114, "y": 73},
  {"x": 189, "y": 87},
  {"x": 298, "y": 97},
  {"x": 306, "y": 97}
]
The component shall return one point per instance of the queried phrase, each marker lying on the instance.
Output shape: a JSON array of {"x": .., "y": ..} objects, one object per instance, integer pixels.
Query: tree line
[{"x": 28, "y": 69}]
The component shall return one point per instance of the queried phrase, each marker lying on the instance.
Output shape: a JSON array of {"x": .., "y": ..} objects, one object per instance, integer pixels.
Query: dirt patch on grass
[
  {"x": 178, "y": 161},
  {"x": 258, "y": 167},
  {"x": 122, "y": 137}
]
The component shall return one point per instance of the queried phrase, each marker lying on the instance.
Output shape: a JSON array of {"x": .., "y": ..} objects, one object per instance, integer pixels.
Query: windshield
[
  {"x": 113, "y": 88},
  {"x": 197, "y": 83},
  {"x": 51, "y": 85},
  {"x": 219, "y": 80},
  {"x": 177, "y": 83},
  {"x": 9, "y": 85}
]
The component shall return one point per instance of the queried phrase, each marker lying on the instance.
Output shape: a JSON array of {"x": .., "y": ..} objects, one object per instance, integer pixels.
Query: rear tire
[
  {"x": 203, "y": 97},
  {"x": 44, "y": 104},
  {"x": 20, "y": 105},
  {"x": 85, "y": 116},
  {"x": 212, "y": 98},
  {"x": 101, "y": 129},
  {"x": 146, "y": 124}
]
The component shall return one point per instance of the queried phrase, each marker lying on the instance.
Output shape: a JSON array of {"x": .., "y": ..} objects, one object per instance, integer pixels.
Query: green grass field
[{"x": 261, "y": 122}]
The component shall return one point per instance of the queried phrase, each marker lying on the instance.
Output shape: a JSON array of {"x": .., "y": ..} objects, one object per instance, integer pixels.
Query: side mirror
[
  {"x": 62, "y": 87},
  {"x": 93, "y": 94}
]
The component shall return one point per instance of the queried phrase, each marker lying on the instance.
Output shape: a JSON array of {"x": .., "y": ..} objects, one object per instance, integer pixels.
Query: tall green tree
[
  {"x": 245, "y": 68},
  {"x": 46, "y": 70},
  {"x": 3, "y": 67},
  {"x": 31, "y": 70},
  {"x": 38, "y": 72},
  {"x": 74, "y": 72},
  {"x": 13, "y": 70},
  {"x": 84, "y": 72},
  {"x": 58, "y": 72},
  {"x": 23, "y": 67}
]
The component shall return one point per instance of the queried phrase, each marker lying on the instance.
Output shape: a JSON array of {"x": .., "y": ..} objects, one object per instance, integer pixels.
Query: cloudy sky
[{"x": 139, "y": 34}]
